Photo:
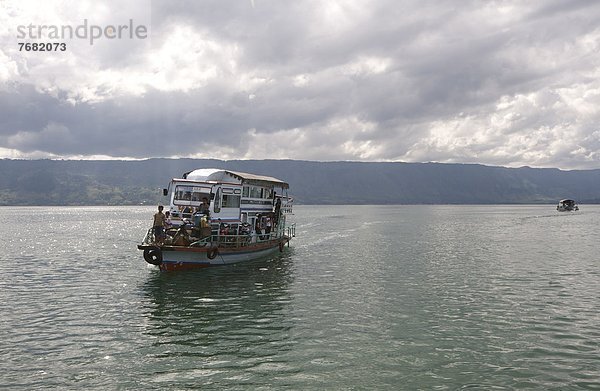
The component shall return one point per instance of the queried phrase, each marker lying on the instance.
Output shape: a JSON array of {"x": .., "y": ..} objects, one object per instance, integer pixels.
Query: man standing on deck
[
  {"x": 204, "y": 206},
  {"x": 159, "y": 225}
]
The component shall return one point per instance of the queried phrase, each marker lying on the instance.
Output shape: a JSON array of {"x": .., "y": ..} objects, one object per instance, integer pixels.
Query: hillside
[{"x": 70, "y": 182}]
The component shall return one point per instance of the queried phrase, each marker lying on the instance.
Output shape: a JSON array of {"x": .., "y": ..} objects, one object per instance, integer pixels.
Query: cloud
[{"x": 504, "y": 83}]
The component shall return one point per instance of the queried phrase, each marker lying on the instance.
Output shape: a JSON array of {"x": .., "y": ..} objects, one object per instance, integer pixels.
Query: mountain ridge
[{"x": 121, "y": 182}]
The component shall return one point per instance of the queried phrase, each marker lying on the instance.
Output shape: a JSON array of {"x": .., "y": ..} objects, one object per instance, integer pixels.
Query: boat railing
[
  {"x": 218, "y": 234},
  {"x": 149, "y": 238},
  {"x": 291, "y": 230},
  {"x": 239, "y": 235}
]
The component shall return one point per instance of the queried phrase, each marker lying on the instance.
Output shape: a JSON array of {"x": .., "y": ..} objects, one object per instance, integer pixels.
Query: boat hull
[
  {"x": 567, "y": 205},
  {"x": 172, "y": 258}
]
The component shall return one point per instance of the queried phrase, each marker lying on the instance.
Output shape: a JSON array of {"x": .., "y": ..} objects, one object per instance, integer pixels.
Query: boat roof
[
  {"x": 566, "y": 200},
  {"x": 220, "y": 175}
]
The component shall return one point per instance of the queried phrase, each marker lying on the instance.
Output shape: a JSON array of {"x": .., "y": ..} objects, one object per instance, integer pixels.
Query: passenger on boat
[
  {"x": 204, "y": 206},
  {"x": 268, "y": 227},
  {"x": 159, "y": 225},
  {"x": 258, "y": 227},
  {"x": 277, "y": 212},
  {"x": 223, "y": 228},
  {"x": 181, "y": 237},
  {"x": 196, "y": 218},
  {"x": 245, "y": 229}
]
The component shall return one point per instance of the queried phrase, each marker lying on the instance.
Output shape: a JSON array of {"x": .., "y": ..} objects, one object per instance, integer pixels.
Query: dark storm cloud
[
  {"x": 157, "y": 124},
  {"x": 506, "y": 83}
]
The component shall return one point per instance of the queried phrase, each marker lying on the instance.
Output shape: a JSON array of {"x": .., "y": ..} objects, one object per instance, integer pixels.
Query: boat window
[
  {"x": 246, "y": 191},
  {"x": 190, "y": 195},
  {"x": 257, "y": 192},
  {"x": 253, "y": 192},
  {"x": 231, "y": 201}
]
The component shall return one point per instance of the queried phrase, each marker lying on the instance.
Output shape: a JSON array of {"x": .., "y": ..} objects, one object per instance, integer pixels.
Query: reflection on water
[{"x": 219, "y": 319}]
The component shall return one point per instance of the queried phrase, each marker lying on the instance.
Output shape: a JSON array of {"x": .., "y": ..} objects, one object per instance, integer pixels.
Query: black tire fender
[
  {"x": 212, "y": 252},
  {"x": 153, "y": 256}
]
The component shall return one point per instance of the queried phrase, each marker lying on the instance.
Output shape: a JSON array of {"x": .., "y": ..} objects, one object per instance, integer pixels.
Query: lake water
[{"x": 367, "y": 297}]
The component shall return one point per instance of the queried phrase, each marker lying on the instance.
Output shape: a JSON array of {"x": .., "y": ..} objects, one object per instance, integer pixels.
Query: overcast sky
[{"x": 507, "y": 83}]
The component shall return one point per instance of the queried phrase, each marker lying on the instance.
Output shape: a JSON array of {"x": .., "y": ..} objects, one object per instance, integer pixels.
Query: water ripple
[{"x": 389, "y": 297}]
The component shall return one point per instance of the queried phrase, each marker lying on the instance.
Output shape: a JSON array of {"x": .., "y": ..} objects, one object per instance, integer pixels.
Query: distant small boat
[{"x": 567, "y": 206}]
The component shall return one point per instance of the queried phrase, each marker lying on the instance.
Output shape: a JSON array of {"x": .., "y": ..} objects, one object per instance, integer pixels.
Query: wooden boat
[{"x": 219, "y": 217}]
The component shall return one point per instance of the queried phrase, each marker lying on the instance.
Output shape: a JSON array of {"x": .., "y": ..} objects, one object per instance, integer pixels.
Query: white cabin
[{"x": 233, "y": 196}]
